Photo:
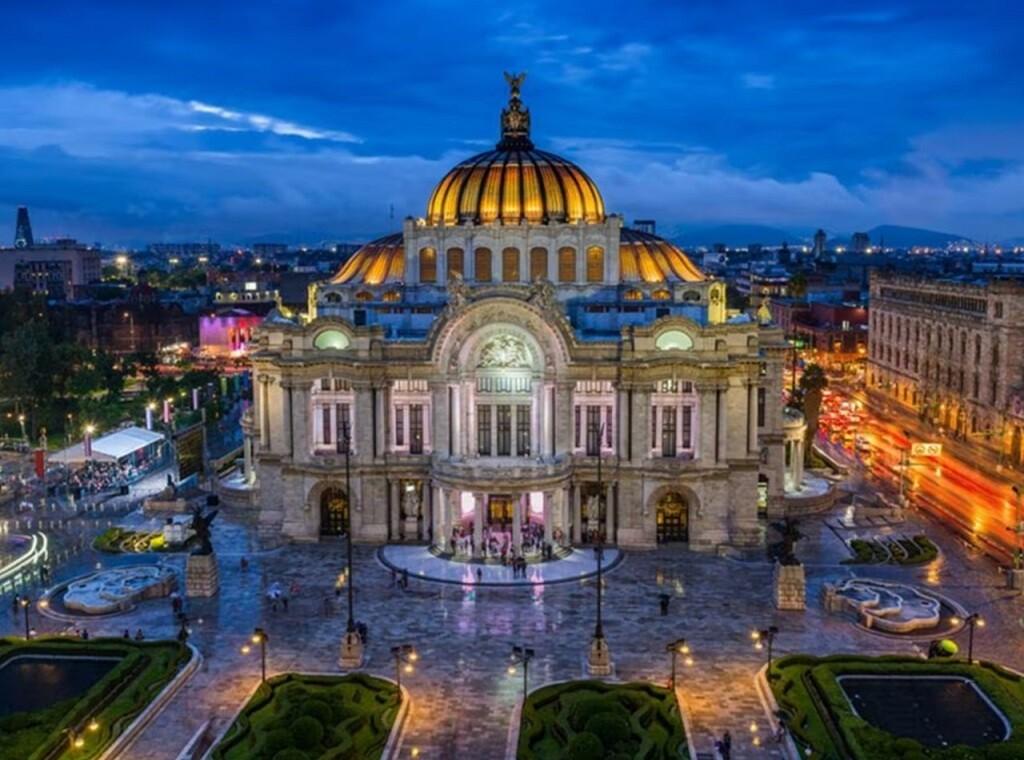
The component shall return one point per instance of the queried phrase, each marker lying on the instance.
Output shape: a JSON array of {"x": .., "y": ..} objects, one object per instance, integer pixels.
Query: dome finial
[{"x": 515, "y": 118}]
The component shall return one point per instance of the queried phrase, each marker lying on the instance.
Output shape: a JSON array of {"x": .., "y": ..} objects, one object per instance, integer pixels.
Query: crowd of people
[
  {"x": 497, "y": 543},
  {"x": 96, "y": 477}
]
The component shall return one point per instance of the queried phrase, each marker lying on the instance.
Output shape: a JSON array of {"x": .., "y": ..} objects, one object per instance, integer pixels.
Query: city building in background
[
  {"x": 58, "y": 269},
  {"x": 952, "y": 350},
  {"x": 518, "y": 357}
]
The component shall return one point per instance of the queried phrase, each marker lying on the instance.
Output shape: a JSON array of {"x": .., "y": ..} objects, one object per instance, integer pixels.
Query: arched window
[
  {"x": 482, "y": 264},
  {"x": 633, "y": 295},
  {"x": 456, "y": 262},
  {"x": 391, "y": 296},
  {"x": 364, "y": 295},
  {"x": 567, "y": 264},
  {"x": 595, "y": 264},
  {"x": 664, "y": 295},
  {"x": 510, "y": 265},
  {"x": 330, "y": 298},
  {"x": 538, "y": 263},
  {"x": 428, "y": 265}
]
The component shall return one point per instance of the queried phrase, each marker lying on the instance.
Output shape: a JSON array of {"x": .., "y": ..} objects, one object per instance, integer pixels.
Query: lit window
[
  {"x": 428, "y": 265},
  {"x": 567, "y": 264},
  {"x": 331, "y": 340},
  {"x": 673, "y": 340},
  {"x": 595, "y": 264},
  {"x": 482, "y": 265},
  {"x": 510, "y": 265}
]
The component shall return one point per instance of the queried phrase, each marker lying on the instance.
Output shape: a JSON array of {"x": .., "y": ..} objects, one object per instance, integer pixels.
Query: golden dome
[
  {"x": 378, "y": 261},
  {"x": 644, "y": 257},
  {"x": 515, "y": 182}
]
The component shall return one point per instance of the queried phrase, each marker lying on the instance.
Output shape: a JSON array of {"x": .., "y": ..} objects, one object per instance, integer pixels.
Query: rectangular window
[
  {"x": 416, "y": 429},
  {"x": 576, "y": 426},
  {"x": 760, "y": 406},
  {"x": 456, "y": 263},
  {"x": 538, "y": 264},
  {"x": 595, "y": 264},
  {"x": 482, "y": 264},
  {"x": 326, "y": 412},
  {"x": 428, "y": 265},
  {"x": 399, "y": 426},
  {"x": 687, "y": 427},
  {"x": 504, "y": 413},
  {"x": 593, "y": 431},
  {"x": 344, "y": 428},
  {"x": 510, "y": 265},
  {"x": 668, "y": 431},
  {"x": 483, "y": 430},
  {"x": 523, "y": 430},
  {"x": 567, "y": 265}
]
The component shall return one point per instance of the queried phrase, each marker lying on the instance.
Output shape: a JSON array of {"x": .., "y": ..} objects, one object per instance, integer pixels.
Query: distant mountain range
[{"x": 740, "y": 235}]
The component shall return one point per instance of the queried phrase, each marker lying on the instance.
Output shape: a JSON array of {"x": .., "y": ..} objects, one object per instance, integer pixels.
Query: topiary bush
[
  {"x": 278, "y": 739},
  {"x": 317, "y": 708},
  {"x": 291, "y": 754},
  {"x": 611, "y": 728},
  {"x": 584, "y": 746},
  {"x": 307, "y": 732}
]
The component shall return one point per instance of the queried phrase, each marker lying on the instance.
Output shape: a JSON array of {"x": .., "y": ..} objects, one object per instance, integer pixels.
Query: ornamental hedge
[
  {"x": 143, "y": 670},
  {"x": 583, "y": 720},
  {"x": 820, "y": 718},
  {"x": 306, "y": 717}
]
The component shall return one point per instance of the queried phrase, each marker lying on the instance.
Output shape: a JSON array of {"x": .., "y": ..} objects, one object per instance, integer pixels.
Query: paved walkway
[
  {"x": 462, "y": 694},
  {"x": 425, "y": 566}
]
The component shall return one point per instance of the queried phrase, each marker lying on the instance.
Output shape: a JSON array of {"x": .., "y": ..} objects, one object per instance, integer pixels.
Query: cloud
[{"x": 260, "y": 123}]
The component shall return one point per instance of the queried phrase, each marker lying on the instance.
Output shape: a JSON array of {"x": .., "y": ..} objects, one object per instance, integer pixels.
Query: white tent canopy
[{"x": 111, "y": 447}]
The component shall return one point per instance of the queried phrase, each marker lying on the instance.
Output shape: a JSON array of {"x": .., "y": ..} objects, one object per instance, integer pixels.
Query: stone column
[
  {"x": 394, "y": 488},
  {"x": 706, "y": 435},
  {"x": 548, "y": 527},
  {"x": 577, "y": 516},
  {"x": 610, "y": 507},
  {"x": 752, "y": 446},
  {"x": 456, "y": 420},
  {"x": 517, "y": 523},
  {"x": 440, "y": 537},
  {"x": 478, "y": 525},
  {"x": 563, "y": 419},
  {"x": 247, "y": 470},
  {"x": 642, "y": 443},
  {"x": 547, "y": 420}
]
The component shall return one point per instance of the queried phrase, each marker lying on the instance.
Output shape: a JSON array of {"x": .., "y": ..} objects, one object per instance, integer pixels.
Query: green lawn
[
  {"x": 305, "y": 717},
  {"x": 916, "y": 550},
  {"x": 819, "y": 715},
  {"x": 586, "y": 720},
  {"x": 113, "y": 702}
]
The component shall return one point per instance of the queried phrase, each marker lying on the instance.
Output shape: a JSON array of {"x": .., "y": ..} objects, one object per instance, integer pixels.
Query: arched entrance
[
  {"x": 673, "y": 518},
  {"x": 333, "y": 512}
]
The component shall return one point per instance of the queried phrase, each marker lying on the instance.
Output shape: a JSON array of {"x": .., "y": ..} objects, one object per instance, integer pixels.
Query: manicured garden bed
[
  {"x": 903, "y": 550},
  {"x": 581, "y": 720},
  {"x": 102, "y": 712},
  {"x": 119, "y": 540},
  {"x": 820, "y": 717},
  {"x": 305, "y": 717}
]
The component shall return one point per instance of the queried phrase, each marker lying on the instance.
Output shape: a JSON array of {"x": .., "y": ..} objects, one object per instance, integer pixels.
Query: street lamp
[
  {"x": 352, "y": 643},
  {"x": 21, "y": 422},
  {"x": 404, "y": 656},
  {"x": 25, "y": 604},
  {"x": 599, "y": 658},
  {"x": 971, "y": 621},
  {"x": 676, "y": 648},
  {"x": 259, "y": 636},
  {"x": 765, "y": 638},
  {"x": 521, "y": 655},
  {"x": 1018, "y": 528}
]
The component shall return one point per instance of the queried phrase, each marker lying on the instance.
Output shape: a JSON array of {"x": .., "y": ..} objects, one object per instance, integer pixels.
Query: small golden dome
[
  {"x": 515, "y": 182},
  {"x": 644, "y": 257},
  {"x": 380, "y": 260}
]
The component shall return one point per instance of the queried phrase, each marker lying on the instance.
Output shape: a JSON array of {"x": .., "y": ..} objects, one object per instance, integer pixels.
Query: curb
[
  {"x": 135, "y": 728},
  {"x": 771, "y": 707}
]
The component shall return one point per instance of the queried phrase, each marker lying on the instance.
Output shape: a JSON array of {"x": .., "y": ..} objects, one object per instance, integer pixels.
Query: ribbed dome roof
[
  {"x": 378, "y": 261},
  {"x": 515, "y": 182},
  {"x": 512, "y": 186},
  {"x": 644, "y": 257}
]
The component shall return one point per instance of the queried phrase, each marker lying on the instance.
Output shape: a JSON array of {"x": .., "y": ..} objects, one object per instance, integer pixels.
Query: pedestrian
[
  {"x": 405, "y": 579},
  {"x": 127, "y": 634},
  {"x": 726, "y": 746},
  {"x": 244, "y": 564},
  {"x": 327, "y": 606},
  {"x": 394, "y": 577},
  {"x": 85, "y": 634},
  {"x": 15, "y": 603},
  {"x": 663, "y": 602},
  {"x": 284, "y": 603},
  {"x": 479, "y": 575}
]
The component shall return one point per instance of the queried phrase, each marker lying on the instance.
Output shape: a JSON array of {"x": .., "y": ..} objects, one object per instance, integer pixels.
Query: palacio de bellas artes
[{"x": 514, "y": 370}]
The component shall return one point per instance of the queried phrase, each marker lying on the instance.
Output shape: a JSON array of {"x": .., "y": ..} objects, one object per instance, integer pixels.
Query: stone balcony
[{"x": 502, "y": 473}]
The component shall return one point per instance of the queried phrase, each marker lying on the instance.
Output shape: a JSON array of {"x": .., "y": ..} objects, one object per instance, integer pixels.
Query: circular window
[
  {"x": 331, "y": 340},
  {"x": 673, "y": 340}
]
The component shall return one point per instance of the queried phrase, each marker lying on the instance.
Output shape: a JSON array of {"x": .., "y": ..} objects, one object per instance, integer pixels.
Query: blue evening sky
[{"x": 304, "y": 121}]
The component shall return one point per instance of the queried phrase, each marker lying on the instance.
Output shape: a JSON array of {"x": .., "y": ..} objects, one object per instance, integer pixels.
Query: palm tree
[{"x": 812, "y": 382}]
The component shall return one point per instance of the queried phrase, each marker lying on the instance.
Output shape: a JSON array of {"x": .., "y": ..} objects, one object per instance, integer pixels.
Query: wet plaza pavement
[{"x": 462, "y": 694}]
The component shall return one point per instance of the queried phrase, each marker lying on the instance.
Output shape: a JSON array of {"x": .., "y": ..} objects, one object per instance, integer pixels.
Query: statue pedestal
[
  {"x": 201, "y": 575},
  {"x": 1015, "y": 579},
  {"x": 790, "y": 587},
  {"x": 411, "y": 528},
  {"x": 599, "y": 658},
  {"x": 351, "y": 656}
]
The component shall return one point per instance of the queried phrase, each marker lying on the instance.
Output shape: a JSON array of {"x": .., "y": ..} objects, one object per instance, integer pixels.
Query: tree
[
  {"x": 797, "y": 286},
  {"x": 812, "y": 382}
]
